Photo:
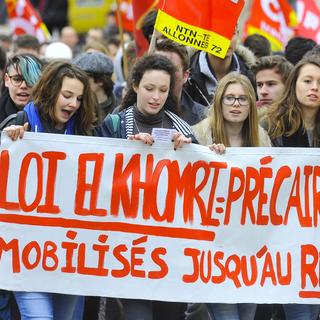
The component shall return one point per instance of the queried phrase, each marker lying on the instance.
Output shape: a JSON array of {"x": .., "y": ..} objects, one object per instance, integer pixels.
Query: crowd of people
[{"x": 251, "y": 98}]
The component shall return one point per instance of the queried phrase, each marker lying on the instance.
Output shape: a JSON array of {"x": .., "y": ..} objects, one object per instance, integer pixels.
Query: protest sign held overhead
[
  {"x": 274, "y": 19},
  {"x": 24, "y": 19},
  {"x": 110, "y": 217},
  {"x": 209, "y": 29}
]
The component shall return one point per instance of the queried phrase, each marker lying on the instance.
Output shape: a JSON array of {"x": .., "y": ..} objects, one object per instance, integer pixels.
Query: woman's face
[
  {"x": 152, "y": 91},
  {"x": 235, "y": 110},
  {"x": 308, "y": 86},
  {"x": 18, "y": 90},
  {"x": 69, "y": 101}
]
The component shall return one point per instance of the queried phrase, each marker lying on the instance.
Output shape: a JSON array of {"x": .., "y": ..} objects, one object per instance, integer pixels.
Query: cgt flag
[
  {"x": 23, "y": 19},
  {"x": 274, "y": 19},
  {"x": 309, "y": 20},
  {"x": 208, "y": 27}
]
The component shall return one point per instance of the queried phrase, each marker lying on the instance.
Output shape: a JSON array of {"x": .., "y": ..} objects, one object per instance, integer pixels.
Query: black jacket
[
  {"x": 298, "y": 139},
  {"x": 192, "y": 112},
  {"x": 7, "y": 106},
  {"x": 196, "y": 84}
]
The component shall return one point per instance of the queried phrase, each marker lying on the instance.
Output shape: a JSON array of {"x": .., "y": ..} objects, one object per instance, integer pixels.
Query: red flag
[
  {"x": 208, "y": 27},
  {"x": 24, "y": 19},
  {"x": 308, "y": 20},
  {"x": 125, "y": 7},
  {"x": 140, "y": 11},
  {"x": 273, "y": 19}
]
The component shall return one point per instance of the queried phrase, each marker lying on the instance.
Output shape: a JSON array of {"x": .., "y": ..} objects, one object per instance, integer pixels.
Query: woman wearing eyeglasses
[
  {"x": 232, "y": 121},
  {"x": 233, "y": 118},
  {"x": 22, "y": 72}
]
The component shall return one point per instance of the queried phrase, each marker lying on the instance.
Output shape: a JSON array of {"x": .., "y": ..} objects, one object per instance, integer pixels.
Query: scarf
[{"x": 35, "y": 121}]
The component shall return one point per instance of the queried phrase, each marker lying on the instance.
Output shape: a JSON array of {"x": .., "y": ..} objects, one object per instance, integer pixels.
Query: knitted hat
[{"x": 94, "y": 62}]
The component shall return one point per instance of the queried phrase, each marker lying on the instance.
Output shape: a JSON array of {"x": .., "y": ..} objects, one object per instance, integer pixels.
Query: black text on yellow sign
[{"x": 188, "y": 35}]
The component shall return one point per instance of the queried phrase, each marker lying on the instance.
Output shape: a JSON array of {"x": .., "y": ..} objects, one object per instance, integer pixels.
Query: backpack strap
[
  {"x": 21, "y": 118},
  {"x": 8, "y": 119},
  {"x": 115, "y": 118}
]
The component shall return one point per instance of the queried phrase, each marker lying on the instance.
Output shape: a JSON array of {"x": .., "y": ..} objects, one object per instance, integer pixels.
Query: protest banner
[
  {"x": 308, "y": 20},
  {"x": 24, "y": 19},
  {"x": 208, "y": 30},
  {"x": 117, "y": 218},
  {"x": 274, "y": 19}
]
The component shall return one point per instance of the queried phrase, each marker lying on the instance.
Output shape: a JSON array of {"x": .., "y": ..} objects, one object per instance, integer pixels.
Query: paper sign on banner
[
  {"x": 107, "y": 217},
  {"x": 163, "y": 134},
  {"x": 208, "y": 30}
]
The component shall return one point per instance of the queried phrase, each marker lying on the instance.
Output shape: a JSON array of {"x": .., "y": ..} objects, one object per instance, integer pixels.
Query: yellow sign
[
  {"x": 86, "y": 14},
  {"x": 192, "y": 36}
]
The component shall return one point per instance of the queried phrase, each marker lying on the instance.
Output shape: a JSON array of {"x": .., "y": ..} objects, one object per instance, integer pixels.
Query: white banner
[{"x": 116, "y": 218}]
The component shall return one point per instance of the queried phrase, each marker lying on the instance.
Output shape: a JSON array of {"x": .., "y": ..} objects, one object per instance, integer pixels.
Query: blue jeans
[
  {"x": 225, "y": 311},
  {"x": 46, "y": 306},
  {"x": 5, "y": 310},
  {"x": 79, "y": 309},
  {"x": 301, "y": 311},
  {"x": 134, "y": 309}
]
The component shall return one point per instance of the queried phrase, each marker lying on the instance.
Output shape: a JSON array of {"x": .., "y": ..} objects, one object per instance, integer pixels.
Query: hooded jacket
[{"x": 242, "y": 60}]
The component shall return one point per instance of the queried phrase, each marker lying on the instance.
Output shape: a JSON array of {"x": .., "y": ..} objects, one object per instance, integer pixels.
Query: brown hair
[
  {"x": 280, "y": 64},
  {"x": 285, "y": 116},
  {"x": 147, "y": 63},
  {"x": 46, "y": 92},
  {"x": 168, "y": 45}
]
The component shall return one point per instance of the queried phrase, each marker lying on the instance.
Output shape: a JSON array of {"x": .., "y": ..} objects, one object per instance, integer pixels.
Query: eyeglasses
[
  {"x": 230, "y": 100},
  {"x": 16, "y": 80}
]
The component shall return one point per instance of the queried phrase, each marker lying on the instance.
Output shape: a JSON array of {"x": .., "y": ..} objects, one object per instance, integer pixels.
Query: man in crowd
[
  {"x": 207, "y": 69},
  {"x": 26, "y": 44},
  {"x": 190, "y": 111},
  {"x": 271, "y": 75}
]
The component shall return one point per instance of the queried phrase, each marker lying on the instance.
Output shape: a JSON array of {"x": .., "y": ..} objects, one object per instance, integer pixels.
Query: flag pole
[
  {"x": 124, "y": 54},
  {"x": 152, "y": 46}
]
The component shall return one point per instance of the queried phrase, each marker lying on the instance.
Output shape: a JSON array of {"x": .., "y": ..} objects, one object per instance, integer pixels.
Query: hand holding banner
[{"x": 107, "y": 217}]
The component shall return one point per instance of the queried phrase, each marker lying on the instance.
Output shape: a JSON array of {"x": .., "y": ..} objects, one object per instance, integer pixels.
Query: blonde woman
[
  {"x": 233, "y": 119},
  {"x": 233, "y": 122}
]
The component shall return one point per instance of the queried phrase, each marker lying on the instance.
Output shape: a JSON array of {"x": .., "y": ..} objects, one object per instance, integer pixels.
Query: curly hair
[{"x": 147, "y": 63}]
